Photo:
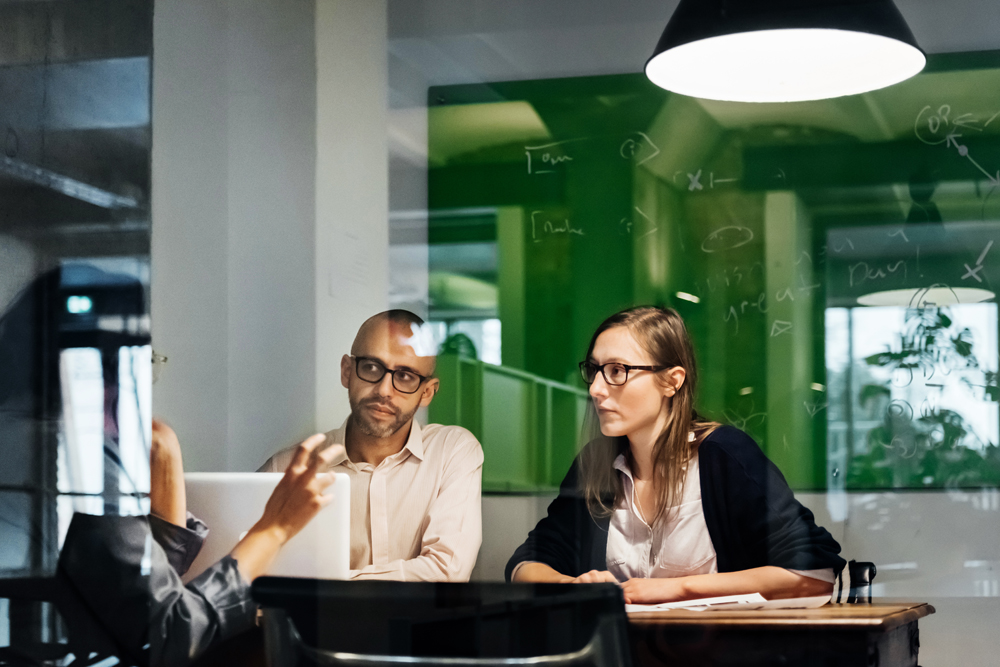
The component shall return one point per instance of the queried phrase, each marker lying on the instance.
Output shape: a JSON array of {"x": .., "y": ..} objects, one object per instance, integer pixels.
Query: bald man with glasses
[{"x": 415, "y": 491}]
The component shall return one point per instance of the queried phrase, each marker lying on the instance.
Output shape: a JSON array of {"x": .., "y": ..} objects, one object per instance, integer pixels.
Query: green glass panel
[{"x": 833, "y": 260}]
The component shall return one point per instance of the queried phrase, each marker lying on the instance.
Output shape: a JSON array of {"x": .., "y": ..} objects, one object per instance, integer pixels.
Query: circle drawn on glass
[{"x": 727, "y": 238}]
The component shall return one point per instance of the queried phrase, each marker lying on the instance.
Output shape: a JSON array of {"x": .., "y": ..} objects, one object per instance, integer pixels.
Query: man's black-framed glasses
[
  {"x": 372, "y": 370},
  {"x": 615, "y": 374}
]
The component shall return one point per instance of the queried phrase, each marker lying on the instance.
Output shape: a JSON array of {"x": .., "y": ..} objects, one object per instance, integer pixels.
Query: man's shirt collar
[{"x": 414, "y": 443}]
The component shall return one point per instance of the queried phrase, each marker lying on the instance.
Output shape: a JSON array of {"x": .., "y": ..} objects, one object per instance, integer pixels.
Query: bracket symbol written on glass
[
  {"x": 542, "y": 227},
  {"x": 544, "y": 159}
]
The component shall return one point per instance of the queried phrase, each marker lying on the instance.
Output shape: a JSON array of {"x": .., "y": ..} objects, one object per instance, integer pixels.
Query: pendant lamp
[{"x": 783, "y": 50}]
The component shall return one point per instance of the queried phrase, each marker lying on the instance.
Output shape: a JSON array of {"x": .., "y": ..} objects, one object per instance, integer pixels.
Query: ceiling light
[
  {"x": 688, "y": 297},
  {"x": 935, "y": 295},
  {"x": 783, "y": 50}
]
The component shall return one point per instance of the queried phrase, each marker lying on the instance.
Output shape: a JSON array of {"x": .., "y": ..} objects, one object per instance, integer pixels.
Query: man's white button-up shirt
[{"x": 417, "y": 515}]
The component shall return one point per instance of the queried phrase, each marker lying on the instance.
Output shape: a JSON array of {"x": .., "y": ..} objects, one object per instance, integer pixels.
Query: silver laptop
[{"x": 231, "y": 503}]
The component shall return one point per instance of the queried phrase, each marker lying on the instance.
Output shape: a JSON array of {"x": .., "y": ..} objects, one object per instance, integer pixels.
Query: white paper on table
[{"x": 734, "y": 602}]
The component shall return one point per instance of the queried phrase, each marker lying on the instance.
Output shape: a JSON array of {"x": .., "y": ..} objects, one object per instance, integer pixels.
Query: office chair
[
  {"x": 388, "y": 624},
  {"x": 860, "y": 575},
  {"x": 87, "y": 642}
]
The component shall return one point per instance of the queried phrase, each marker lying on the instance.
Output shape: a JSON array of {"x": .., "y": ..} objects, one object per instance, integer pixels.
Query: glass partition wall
[
  {"x": 75, "y": 357},
  {"x": 833, "y": 260},
  {"x": 788, "y": 236}
]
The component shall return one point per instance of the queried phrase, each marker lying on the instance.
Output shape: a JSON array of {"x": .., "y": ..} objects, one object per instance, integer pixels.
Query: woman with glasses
[{"x": 670, "y": 505}]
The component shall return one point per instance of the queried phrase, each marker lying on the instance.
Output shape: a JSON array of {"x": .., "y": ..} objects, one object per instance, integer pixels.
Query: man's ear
[
  {"x": 675, "y": 380},
  {"x": 430, "y": 389},
  {"x": 346, "y": 369}
]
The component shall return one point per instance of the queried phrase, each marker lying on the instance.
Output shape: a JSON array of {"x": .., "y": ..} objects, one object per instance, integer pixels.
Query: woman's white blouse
[{"x": 677, "y": 547}]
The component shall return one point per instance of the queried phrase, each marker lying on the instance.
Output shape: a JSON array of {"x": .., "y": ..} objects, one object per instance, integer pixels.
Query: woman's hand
[
  {"x": 167, "y": 499},
  {"x": 296, "y": 499},
  {"x": 652, "y": 591},
  {"x": 593, "y": 577}
]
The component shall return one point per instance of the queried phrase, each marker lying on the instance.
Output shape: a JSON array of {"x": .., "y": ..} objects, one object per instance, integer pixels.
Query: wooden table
[{"x": 835, "y": 635}]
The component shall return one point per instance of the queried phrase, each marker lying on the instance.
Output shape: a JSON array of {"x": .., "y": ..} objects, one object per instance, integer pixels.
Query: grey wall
[
  {"x": 270, "y": 182},
  {"x": 351, "y": 241},
  {"x": 234, "y": 144}
]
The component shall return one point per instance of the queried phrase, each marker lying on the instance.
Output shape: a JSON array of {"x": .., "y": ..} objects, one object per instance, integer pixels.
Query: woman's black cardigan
[{"x": 752, "y": 517}]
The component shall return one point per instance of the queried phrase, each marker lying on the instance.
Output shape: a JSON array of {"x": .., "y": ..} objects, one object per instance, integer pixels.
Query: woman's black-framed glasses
[
  {"x": 615, "y": 374},
  {"x": 372, "y": 370}
]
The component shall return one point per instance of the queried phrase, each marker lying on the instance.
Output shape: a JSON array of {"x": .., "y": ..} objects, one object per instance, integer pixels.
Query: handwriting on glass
[
  {"x": 861, "y": 272},
  {"x": 939, "y": 126},
  {"x": 544, "y": 158},
  {"x": 542, "y": 227},
  {"x": 727, "y": 238},
  {"x": 639, "y": 144}
]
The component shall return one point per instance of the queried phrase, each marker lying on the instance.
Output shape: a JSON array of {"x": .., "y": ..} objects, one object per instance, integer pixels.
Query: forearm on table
[
  {"x": 539, "y": 573},
  {"x": 432, "y": 566},
  {"x": 772, "y": 582}
]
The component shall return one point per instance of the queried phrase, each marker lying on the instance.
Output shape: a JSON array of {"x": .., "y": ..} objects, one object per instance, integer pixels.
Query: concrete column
[
  {"x": 234, "y": 224},
  {"x": 352, "y": 204},
  {"x": 190, "y": 211},
  {"x": 792, "y": 404}
]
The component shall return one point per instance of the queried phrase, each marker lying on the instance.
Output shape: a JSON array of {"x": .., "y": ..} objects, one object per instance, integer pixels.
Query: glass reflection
[
  {"x": 552, "y": 204},
  {"x": 922, "y": 388},
  {"x": 74, "y": 314}
]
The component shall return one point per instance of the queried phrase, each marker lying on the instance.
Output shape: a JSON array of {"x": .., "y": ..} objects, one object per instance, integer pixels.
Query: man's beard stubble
[{"x": 360, "y": 419}]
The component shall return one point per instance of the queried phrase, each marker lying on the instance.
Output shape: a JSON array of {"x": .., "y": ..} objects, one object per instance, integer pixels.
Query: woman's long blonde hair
[{"x": 661, "y": 332}]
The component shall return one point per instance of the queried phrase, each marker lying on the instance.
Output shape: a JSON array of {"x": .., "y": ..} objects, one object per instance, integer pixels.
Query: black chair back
[
  {"x": 860, "y": 575},
  {"x": 313, "y": 622}
]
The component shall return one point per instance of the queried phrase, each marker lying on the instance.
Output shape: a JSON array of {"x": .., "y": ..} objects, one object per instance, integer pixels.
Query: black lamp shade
[{"x": 783, "y": 50}]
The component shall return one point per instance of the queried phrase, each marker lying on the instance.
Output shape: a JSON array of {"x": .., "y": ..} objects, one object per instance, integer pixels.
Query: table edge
[{"x": 750, "y": 619}]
